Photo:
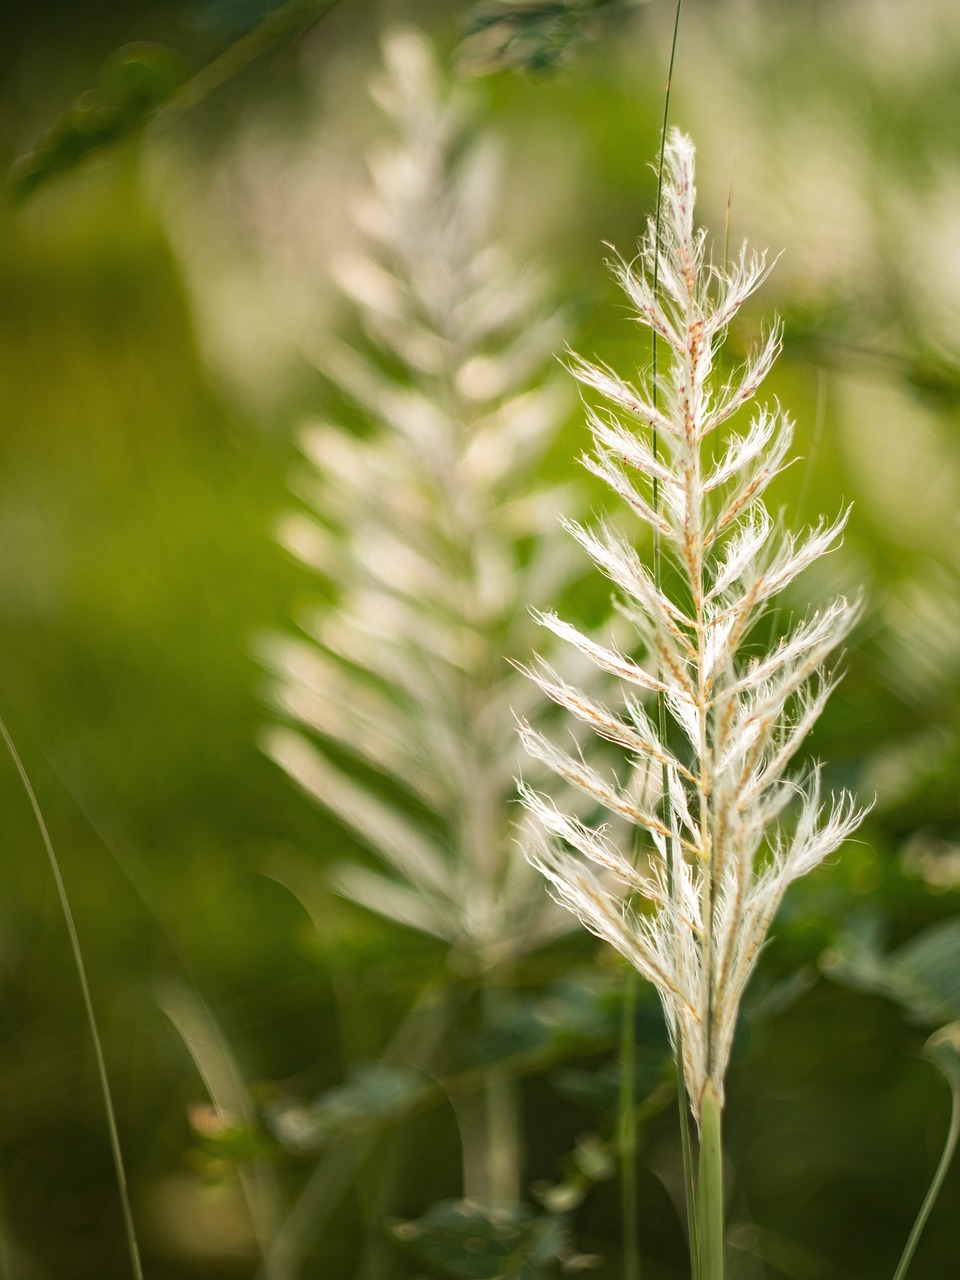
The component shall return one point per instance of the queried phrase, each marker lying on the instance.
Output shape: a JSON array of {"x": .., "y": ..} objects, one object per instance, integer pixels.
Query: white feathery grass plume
[
  {"x": 692, "y": 913},
  {"x": 429, "y": 529}
]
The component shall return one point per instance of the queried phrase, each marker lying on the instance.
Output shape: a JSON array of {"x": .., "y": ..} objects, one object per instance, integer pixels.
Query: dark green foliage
[
  {"x": 531, "y": 35},
  {"x": 133, "y": 82},
  {"x": 225, "y": 1144},
  {"x": 599, "y": 1088},
  {"x": 227, "y": 17},
  {"x": 464, "y": 1240},
  {"x": 376, "y": 1095},
  {"x": 575, "y": 1017},
  {"x": 139, "y": 80},
  {"x": 943, "y": 1049},
  {"x": 922, "y": 976},
  {"x": 571, "y": 1015},
  {"x": 136, "y": 510}
]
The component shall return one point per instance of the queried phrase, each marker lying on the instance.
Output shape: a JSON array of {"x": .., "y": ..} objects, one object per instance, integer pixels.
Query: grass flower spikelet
[{"x": 717, "y": 859}]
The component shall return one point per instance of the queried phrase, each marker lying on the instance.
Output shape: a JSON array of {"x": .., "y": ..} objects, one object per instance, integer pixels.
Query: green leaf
[
  {"x": 765, "y": 1000},
  {"x": 599, "y": 1089},
  {"x": 534, "y": 35},
  {"x": 140, "y": 79},
  {"x": 468, "y": 1240},
  {"x": 233, "y": 17},
  {"x": 930, "y": 964},
  {"x": 374, "y": 1095},
  {"x": 571, "y": 1014},
  {"x": 132, "y": 83},
  {"x": 226, "y": 1142},
  {"x": 943, "y": 1050},
  {"x": 592, "y": 1160},
  {"x": 923, "y": 975}
]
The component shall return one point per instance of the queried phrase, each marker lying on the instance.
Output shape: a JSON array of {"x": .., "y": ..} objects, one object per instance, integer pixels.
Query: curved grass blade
[
  {"x": 134, "y": 1250},
  {"x": 943, "y": 1050}
]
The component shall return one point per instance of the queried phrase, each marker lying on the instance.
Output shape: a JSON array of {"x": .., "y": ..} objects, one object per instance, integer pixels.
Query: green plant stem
[
  {"x": 950, "y": 1147},
  {"x": 628, "y": 1131},
  {"x": 294, "y": 17},
  {"x": 114, "y": 1133},
  {"x": 502, "y": 1119},
  {"x": 682, "y": 1102},
  {"x": 686, "y": 1151},
  {"x": 503, "y": 1134},
  {"x": 710, "y": 1186}
]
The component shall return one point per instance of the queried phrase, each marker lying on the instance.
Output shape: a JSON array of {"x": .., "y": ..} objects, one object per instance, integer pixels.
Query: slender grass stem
[
  {"x": 710, "y": 1186},
  {"x": 114, "y": 1133},
  {"x": 682, "y": 1104},
  {"x": 689, "y": 1184},
  {"x": 502, "y": 1119},
  {"x": 503, "y": 1136},
  {"x": 950, "y": 1147},
  {"x": 293, "y": 18},
  {"x": 819, "y": 423},
  {"x": 628, "y": 1131}
]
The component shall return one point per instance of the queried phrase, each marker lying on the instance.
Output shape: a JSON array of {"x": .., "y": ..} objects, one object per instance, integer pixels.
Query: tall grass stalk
[
  {"x": 113, "y": 1131},
  {"x": 734, "y": 823},
  {"x": 628, "y": 1130},
  {"x": 686, "y": 1148},
  {"x": 709, "y": 1242}
]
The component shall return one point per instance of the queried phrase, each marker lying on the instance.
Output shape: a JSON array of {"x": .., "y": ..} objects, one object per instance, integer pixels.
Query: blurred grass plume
[{"x": 432, "y": 533}]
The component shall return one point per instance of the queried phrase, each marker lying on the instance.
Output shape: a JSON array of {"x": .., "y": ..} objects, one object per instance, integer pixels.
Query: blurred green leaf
[
  {"x": 931, "y": 964},
  {"x": 594, "y": 1156},
  {"x": 534, "y": 35},
  {"x": 600, "y": 1088},
  {"x": 137, "y": 81},
  {"x": 593, "y": 1160},
  {"x": 576, "y": 1015},
  {"x": 132, "y": 84},
  {"x": 467, "y": 1240},
  {"x": 231, "y": 17},
  {"x": 943, "y": 1050},
  {"x": 226, "y": 1142},
  {"x": 923, "y": 975},
  {"x": 766, "y": 999},
  {"x": 375, "y": 1094},
  {"x": 577, "y": 1009}
]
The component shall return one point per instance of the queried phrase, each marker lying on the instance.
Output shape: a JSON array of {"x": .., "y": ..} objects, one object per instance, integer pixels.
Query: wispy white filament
[{"x": 732, "y": 826}]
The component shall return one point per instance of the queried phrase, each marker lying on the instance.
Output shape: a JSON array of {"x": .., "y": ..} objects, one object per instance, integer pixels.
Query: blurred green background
[{"x": 156, "y": 304}]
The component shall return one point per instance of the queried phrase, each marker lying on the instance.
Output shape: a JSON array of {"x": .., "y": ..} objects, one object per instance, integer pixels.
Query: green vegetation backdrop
[{"x": 150, "y": 392}]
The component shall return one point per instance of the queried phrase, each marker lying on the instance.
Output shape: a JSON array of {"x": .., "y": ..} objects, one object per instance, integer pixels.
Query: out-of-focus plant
[
  {"x": 140, "y": 81},
  {"x": 577, "y": 1016},
  {"x": 428, "y": 527},
  {"x": 923, "y": 977},
  {"x": 533, "y": 35},
  {"x": 133, "y": 83},
  {"x": 709, "y": 797}
]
